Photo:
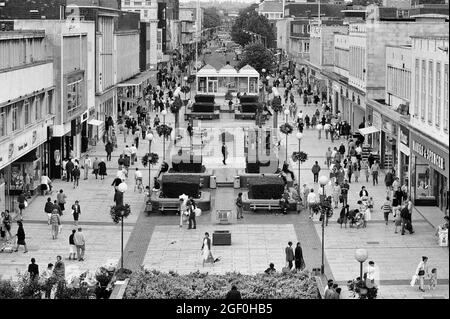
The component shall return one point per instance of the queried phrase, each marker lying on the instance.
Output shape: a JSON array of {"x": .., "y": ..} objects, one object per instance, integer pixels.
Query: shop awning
[
  {"x": 95, "y": 122},
  {"x": 140, "y": 78},
  {"x": 368, "y": 130}
]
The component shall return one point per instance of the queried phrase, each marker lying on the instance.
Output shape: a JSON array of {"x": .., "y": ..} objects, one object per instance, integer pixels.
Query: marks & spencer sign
[{"x": 431, "y": 156}]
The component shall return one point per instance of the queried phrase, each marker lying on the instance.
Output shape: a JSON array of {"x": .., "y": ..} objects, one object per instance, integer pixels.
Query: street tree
[
  {"x": 211, "y": 18},
  {"x": 250, "y": 21},
  {"x": 257, "y": 56}
]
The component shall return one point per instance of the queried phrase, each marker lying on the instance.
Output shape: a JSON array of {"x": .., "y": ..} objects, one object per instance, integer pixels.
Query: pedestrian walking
[
  {"x": 80, "y": 243},
  {"x": 20, "y": 237},
  {"x": 22, "y": 201},
  {"x": 311, "y": 200},
  {"x": 345, "y": 187},
  {"x": 102, "y": 169},
  {"x": 72, "y": 247},
  {"x": 328, "y": 157},
  {"x": 33, "y": 270},
  {"x": 76, "y": 212},
  {"x": 398, "y": 218},
  {"x": 191, "y": 211},
  {"x": 356, "y": 171},
  {"x": 207, "y": 256},
  {"x": 95, "y": 167},
  {"x": 289, "y": 251},
  {"x": 315, "y": 170},
  {"x": 343, "y": 216},
  {"x": 87, "y": 165},
  {"x": 55, "y": 221},
  {"x": 109, "y": 148},
  {"x": 299, "y": 261},
  {"x": 59, "y": 271},
  {"x": 56, "y": 206},
  {"x": 386, "y": 209},
  {"x": 224, "y": 153},
  {"x": 363, "y": 193},
  {"x": 239, "y": 207},
  {"x": 336, "y": 194},
  {"x": 133, "y": 157},
  {"x": 388, "y": 180},
  {"x": 61, "y": 200},
  {"x": 76, "y": 176},
  {"x": 375, "y": 169},
  {"x": 69, "y": 168},
  {"x": 422, "y": 272}
]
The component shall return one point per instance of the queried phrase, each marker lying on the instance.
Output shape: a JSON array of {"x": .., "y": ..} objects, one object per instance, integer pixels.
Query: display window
[{"x": 423, "y": 185}]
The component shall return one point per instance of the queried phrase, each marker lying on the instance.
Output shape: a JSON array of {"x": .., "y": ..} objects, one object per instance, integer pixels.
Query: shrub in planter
[
  {"x": 117, "y": 211},
  {"x": 150, "y": 159},
  {"x": 123, "y": 273},
  {"x": 286, "y": 128},
  {"x": 302, "y": 156},
  {"x": 163, "y": 130},
  {"x": 173, "y": 185},
  {"x": 8, "y": 290},
  {"x": 265, "y": 187},
  {"x": 146, "y": 284}
]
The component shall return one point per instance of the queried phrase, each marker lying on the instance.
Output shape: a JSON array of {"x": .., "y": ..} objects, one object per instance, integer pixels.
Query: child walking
[{"x": 433, "y": 279}]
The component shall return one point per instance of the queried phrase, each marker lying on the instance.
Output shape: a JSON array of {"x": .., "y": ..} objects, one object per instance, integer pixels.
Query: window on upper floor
[
  {"x": 27, "y": 111},
  {"x": 74, "y": 95},
  {"x": 148, "y": 3},
  {"x": 127, "y": 2},
  {"x": 423, "y": 92},
  {"x": 437, "y": 115},
  {"x": 430, "y": 92},
  {"x": 15, "y": 119},
  {"x": 416, "y": 87},
  {"x": 49, "y": 99},
  {"x": 446, "y": 98},
  {"x": 145, "y": 13},
  {"x": 2, "y": 123},
  {"x": 138, "y": 3},
  {"x": 306, "y": 47}
]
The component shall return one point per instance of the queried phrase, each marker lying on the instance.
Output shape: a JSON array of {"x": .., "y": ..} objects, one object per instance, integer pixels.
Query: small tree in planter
[
  {"x": 276, "y": 107},
  {"x": 118, "y": 213},
  {"x": 185, "y": 89},
  {"x": 299, "y": 156},
  {"x": 150, "y": 159},
  {"x": 164, "y": 130}
]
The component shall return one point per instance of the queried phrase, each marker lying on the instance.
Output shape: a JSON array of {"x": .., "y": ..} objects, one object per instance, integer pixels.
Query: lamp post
[
  {"x": 361, "y": 256},
  {"x": 149, "y": 138},
  {"x": 164, "y": 113},
  {"x": 121, "y": 188},
  {"x": 323, "y": 180},
  {"x": 299, "y": 138},
  {"x": 319, "y": 129},
  {"x": 286, "y": 112}
]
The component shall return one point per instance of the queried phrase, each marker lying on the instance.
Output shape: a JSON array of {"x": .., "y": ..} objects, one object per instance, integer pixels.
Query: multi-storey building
[
  {"x": 272, "y": 10},
  {"x": 27, "y": 110},
  {"x": 429, "y": 127},
  {"x": 148, "y": 11},
  {"x": 188, "y": 19}
]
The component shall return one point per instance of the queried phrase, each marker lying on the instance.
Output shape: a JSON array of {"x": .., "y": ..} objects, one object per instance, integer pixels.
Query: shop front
[
  {"x": 404, "y": 154},
  {"x": 22, "y": 159},
  {"x": 388, "y": 147},
  {"x": 429, "y": 172}
]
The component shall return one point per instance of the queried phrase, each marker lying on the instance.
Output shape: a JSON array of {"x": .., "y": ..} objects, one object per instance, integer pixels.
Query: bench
[
  {"x": 267, "y": 206},
  {"x": 169, "y": 206}
]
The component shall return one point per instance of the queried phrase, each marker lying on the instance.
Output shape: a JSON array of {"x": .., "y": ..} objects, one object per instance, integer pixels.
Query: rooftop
[
  {"x": 20, "y": 34},
  {"x": 311, "y": 9},
  {"x": 271, "y": 6}
]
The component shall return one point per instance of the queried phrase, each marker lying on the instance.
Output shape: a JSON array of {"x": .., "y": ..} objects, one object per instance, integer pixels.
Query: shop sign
[
  {"x": 404, "y": 136},
  {"x": 429, "y": 155},
  {"x": 376, "y": 120},
  {"x": 22, "y": 144}
]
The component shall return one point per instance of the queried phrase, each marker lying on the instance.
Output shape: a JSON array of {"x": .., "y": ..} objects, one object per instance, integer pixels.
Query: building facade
[
  {"x": 430, "y": 120},
  {"x": 27, "y": 111}
]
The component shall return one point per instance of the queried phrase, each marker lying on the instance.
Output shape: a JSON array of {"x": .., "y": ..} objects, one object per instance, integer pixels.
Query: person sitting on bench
[{"x": 287, "y": 170}]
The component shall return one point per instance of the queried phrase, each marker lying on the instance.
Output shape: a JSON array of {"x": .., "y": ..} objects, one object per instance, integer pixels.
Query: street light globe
[
  {"x": 319, "y": 127},
  {"x": 164, "y": 112},
  {"x": 263, "y": 70},
  {"x": 323, "y": 180},
  {"x": 268, "y": 78},
  {"x": 299, "y": 136},
  {"x": 122, "y": 187},
  {"x": 286, "y": 112},
  {"x": 361, "y": 255},
  {"x": 149, "y": 137},
  {"x": 185, "y": 78}
]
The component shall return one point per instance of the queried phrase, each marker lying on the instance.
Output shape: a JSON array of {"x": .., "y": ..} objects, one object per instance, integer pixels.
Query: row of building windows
[
  {"x": 300, "y": 28},
  {"x": 273, "y": 15},
  {"x": 429, "y": 79},
  {"x": 19, "y": 52},
  {"x": 341, "y": 58},
  {"x": 399, "y": 82},
  {"x": 137, "y": 3},
  {"x": 358, "y": 58},
  {"x": 20, "y": 114}
]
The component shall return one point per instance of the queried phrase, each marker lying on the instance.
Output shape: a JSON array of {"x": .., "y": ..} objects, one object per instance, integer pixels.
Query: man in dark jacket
[
  {"x": 69, "y": 169},
  {"x": 315, "y": 170},
  {"x": 48, "y": 208},
  {"x": 233, "y": 293},
  {"x": 289, "y": 255}
]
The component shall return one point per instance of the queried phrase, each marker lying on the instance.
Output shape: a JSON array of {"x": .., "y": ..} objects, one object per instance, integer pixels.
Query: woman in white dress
[{"x": 206, "y": 250}]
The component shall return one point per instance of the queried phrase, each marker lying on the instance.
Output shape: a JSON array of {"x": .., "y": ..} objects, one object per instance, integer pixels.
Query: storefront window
[
  {"x": 202, "y": 85},
  {"x": 253, "y": 85},
  {"x": 424, "y": 189},
  {"x": 243, "y": 85}
]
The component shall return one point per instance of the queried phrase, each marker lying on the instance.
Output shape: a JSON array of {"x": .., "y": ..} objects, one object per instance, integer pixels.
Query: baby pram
[
  {"x": 359, "y": 220},
  {"x": 352, "y": 217},
  {"x": 7, "y": 247}
]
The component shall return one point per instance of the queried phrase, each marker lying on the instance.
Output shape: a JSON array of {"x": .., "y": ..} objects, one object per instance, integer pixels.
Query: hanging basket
[
  {"x": 117, "y": 212},
  {"x": 276, "y": 104},
  {"x": 302, "y": 156},
  {"x": 286, "y": 128},
  {"x": 150, "y": 159},
  {"x": 176, "y": 105},
  {"x": 163, "y": 130}
]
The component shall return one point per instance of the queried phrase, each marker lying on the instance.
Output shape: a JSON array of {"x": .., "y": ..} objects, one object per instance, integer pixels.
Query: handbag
[
  {"x": 198, "y": 212},
  {"x": 413, "y": 281},
  {"x": 421, "y": 272},
  {"x": 339, "y": 220}
]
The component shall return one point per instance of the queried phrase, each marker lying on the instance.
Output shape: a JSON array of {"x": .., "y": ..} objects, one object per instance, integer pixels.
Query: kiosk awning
[
  {"x": 368, "y": 130},
  {"x": 95, "y": 122}
]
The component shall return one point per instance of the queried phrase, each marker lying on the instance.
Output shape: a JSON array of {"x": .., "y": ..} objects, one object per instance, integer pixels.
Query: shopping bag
[
  {"x": 59, "y": 229},
  {"x": 25, "y": 204},
  {"x": 198, "y": 212},
  {"x": 413, "y": 280}
]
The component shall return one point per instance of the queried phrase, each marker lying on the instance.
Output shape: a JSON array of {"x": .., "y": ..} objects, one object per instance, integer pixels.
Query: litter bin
[
  {"x": 237, "y": 182},
  {"x": 443, "y": 237},
  {"x": 212, "y": 182}
]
